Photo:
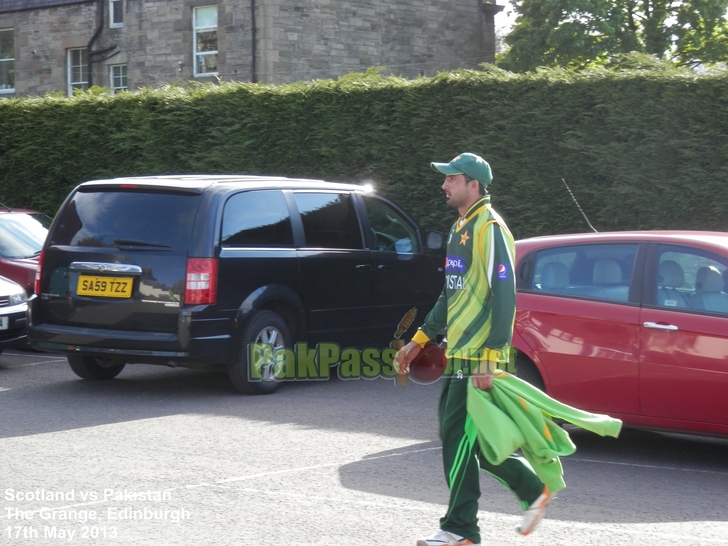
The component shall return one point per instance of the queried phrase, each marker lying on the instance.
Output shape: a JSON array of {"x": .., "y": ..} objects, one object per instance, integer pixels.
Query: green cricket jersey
[{"x": 478, "y": 302}]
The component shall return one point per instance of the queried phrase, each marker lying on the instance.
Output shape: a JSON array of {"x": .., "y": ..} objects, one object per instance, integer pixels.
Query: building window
[
  {"x": 118, "y": 78},
  {"x": 205, "y": 46},
  {"x": 7, "y": 61},
  {"x": 77, "y": 69},
  {"x": 116, "y": 13}
]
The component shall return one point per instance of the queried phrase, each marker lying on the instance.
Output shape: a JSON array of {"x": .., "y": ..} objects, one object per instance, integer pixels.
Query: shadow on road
[
  {"x": 65, "y": 402},
  {"x": 641, "y": 477},
  {"x": 638, "y": 478}
]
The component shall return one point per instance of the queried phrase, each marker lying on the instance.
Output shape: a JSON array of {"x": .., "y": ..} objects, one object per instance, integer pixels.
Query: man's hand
[
  {"x": 483, "y": 376},
  {"x": 405, "y": 356},
  {"x": 483, "y": 382}
]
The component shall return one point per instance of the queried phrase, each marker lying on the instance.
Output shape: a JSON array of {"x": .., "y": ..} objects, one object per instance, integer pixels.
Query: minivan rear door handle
[
  {"x": 363, "y": 266},
  {"x": 657, "y": 326}
]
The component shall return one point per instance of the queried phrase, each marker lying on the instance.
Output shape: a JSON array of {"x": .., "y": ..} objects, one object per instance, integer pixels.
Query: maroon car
[
  {"x": 22, "y": 234},
  {"x": 633, "y": 324}
]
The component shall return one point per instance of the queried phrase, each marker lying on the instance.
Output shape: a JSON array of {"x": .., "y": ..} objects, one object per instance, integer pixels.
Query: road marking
[
  {"x": 485, "y": 515},
  {"x": 688, "y": 539},
  {"x": 657, "y": 467},
  {"x": 339, "y": 500},
  {"x": 306, "y": 468},
  {"x": 248, "y": 477},
  {"x": 326, "y": 465},
  {"x": 29, "y": 354},
  {"x": 50, "y": 360},
  {"x": 615, "y": 529}
]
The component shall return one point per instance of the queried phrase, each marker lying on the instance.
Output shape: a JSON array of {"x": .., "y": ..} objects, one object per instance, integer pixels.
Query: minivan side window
[
  {"x": 593, "y": 271},
  {"x": 329, "y": 220},
  {"x": 391, "y": 232},
  {"x": 257, "y": 218}
]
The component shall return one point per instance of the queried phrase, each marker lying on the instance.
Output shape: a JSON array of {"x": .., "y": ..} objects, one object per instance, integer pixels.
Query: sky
[{"x": 505, "y": 19}]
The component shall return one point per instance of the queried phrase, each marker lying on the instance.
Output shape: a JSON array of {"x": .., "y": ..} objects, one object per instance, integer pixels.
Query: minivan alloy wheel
[
  {"x": 272, "y": 336},
  {"x": 258, "y": 376}
]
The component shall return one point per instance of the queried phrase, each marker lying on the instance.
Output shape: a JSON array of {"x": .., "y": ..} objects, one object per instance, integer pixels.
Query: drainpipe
[
  {"x": 90, "y": 53},
  {"x": 253, "y": 68}
]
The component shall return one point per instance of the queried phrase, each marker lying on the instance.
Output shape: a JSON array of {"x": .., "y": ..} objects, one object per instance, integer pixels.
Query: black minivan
[{"x": 190, "y": 270}]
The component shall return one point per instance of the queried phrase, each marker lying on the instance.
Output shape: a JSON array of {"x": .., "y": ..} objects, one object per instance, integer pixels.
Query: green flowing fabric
[{"x": 515, "y": 415}]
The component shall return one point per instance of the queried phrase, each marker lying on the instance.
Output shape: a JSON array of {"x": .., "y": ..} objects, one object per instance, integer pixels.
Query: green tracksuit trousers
[{"x": 462, "y": 462}]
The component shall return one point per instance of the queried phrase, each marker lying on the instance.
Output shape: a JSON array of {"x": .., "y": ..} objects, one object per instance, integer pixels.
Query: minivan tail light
[
  {"x": 201, "y": 283},
  {"x": 36, "y": 284}
]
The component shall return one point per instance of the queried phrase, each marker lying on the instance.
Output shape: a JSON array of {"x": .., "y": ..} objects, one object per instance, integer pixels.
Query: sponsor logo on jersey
[
  {"x": 455, "y": 282},
  {"x": 502, "y": 272},
  {"x": 455, "y": 264}
]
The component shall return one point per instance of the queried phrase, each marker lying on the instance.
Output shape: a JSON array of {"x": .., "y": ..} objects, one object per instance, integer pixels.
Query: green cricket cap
[{"x": 470, "y": 164}]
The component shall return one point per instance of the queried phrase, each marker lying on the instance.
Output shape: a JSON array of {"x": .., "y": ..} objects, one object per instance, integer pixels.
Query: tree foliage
[
  {"x": 582, "y": 33},
  {"x": 633, "y": 162}
]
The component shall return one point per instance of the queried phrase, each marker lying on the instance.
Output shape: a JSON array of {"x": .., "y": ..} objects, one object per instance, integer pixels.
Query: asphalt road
[{"x": 164, "y": 457}]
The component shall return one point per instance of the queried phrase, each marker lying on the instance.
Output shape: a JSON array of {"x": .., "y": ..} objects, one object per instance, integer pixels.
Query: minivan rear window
[{"x": 127, "y": 218}]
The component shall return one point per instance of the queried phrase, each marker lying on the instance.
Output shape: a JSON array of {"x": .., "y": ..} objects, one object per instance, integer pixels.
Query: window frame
[
  {"x": 196, "y": 30},
  {"x": 112, "y": 22},
  {"x": 9, "y": 60},
  {"x": 112, "y": 77},
  {"x": 69, "y": 70}
]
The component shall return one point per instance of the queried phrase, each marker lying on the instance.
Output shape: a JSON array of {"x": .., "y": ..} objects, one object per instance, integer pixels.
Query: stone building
[{"x": 62, "y": 45}]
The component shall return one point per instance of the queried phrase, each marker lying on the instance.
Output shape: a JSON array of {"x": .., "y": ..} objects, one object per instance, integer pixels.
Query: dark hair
[{"x": 481, "y": 189}]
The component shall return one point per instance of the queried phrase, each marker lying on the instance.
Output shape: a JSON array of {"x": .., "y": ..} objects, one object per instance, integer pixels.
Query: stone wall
[
  {"x": 294, "y": 40},
  {"x": 312, "y": 39},
  {"x": 41, "y": 39},
  {"x": 157, "y": 40}
]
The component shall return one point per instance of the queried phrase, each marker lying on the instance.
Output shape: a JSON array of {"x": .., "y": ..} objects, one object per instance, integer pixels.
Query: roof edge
[{"x": 10, "y": 6}]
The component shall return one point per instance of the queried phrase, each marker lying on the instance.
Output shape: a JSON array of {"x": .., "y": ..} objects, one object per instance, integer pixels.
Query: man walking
[{"x": 478, "y": 305}]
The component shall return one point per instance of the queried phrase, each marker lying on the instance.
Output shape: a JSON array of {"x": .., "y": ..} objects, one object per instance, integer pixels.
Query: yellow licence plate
[{"x": 106, "y": 287}]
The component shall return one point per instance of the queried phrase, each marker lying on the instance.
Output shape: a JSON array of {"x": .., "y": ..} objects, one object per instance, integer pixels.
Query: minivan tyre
[
  {"x": 262, "y": 327},
  {"x": 89, "y": 367}
]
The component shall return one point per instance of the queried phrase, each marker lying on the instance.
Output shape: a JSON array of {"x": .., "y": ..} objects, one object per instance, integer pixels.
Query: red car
[
  {"x": 632, "y": 324},
  {"x": 22, "y": 234}
]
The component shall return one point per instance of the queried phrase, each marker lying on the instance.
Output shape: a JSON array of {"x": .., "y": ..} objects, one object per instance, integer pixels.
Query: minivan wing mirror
[{"x": 434, "y": 240}]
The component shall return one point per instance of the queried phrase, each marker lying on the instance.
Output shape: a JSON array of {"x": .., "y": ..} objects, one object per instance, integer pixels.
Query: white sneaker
[
  {"x": 445, "y": 538},
  {"x": 534, "y": 513}
]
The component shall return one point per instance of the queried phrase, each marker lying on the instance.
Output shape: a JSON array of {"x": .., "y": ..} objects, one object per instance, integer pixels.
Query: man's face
[{"x": 458, "y": 193}]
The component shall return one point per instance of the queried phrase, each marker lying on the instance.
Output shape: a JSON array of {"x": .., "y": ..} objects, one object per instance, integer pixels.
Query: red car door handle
[{"x": 658, "y": 326}]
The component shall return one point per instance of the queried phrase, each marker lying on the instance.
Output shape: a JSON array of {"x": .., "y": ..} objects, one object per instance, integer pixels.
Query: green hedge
[{"x": 640, "y": 150}]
